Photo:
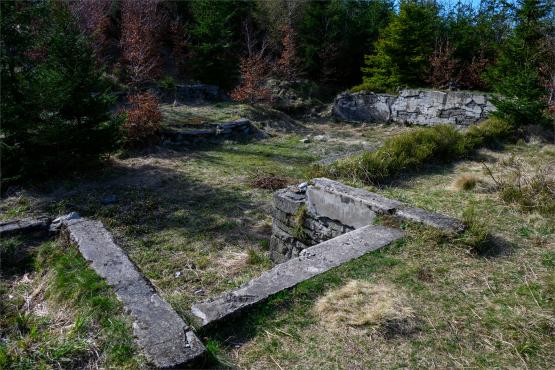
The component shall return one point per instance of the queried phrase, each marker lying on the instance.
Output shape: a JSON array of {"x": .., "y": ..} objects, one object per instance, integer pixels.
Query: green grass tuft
[{"x": 413, "y": 150}]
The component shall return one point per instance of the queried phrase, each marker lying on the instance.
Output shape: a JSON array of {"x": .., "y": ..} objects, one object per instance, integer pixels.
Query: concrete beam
[
  {"x": 167, "y": 341},
  {"x": 312, "y": 261}
]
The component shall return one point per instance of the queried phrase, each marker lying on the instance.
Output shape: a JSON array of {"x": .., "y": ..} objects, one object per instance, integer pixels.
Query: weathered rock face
[
  {"x": 327, "y": 209},
  {"x": 420, "y": 107}
]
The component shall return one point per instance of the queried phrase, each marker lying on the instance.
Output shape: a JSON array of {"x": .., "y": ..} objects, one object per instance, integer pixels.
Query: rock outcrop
[{"x": 420, "y": 107}]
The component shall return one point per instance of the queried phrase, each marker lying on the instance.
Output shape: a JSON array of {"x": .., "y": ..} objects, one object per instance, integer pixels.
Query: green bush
[
  {"x": 476, "y": 237},
  {"x": 413, "y": 150}
]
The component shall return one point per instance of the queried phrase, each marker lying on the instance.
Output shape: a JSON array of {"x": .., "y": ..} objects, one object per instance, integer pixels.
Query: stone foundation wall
[
  {"x": 228, "y": 130},
  {"x": 309, "y": 214},
  {"x": 420, "y": 107}
]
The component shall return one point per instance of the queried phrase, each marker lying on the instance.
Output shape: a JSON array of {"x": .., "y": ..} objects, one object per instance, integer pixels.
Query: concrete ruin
[
  {"x": 222, "y": 131},
  {"x": 414, "y": 106},
  {"x": 311, "y": 262},
  {"x": 325, "y": 209},
  {"x": 316, "y": 227}
]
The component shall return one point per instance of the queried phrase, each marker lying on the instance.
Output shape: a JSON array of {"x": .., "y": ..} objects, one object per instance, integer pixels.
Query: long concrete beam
[
  {"x": 166, "y": 340},
  {"x": 311, "y": 262}
]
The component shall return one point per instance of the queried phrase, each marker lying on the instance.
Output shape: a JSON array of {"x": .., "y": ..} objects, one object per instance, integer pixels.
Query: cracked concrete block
[
  {"x": 288, "y": 201},
  {"x": 24, "y": 225}
]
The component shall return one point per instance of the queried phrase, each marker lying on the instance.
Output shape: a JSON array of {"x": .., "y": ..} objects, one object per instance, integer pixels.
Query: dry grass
[
  {"x": 363, "y": 305},
  {"x": 466, "y": 182}
]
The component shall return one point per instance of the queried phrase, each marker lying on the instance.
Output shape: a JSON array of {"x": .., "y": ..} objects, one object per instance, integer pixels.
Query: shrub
[
  {"x": 406, "y": 151},
  {"x": 491, "y": 132},
  {"x": 254, "y": 70},
  {"x": 167, "y": 82},
  {"x": 532, "y": 192},
  {"x": 298, "y": 229},
  {"x": 415, "y": 149},
  {"x": 476, "y": 236},
  {"x": 466, "y": 182},
  {"x": 142, "y": 124}
]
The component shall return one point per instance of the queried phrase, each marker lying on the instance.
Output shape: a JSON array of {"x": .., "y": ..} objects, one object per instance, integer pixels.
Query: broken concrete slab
[
  {"x": 357, "y": 207},
  {"x": 59, "y": 221},
  {"x": 167, "y": 341},
  {"x": 430, "y": 218},
  {"x": 312, "y": 261},
  {"x": 374, "y": 202},
  {"x": 24, "y": 225}
]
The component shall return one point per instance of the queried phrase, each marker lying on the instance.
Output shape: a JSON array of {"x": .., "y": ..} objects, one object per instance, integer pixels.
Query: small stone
[
  {"x": 57, "y": 223},
  {"x": 109, "y": 199},
  {"x": 320, "y": 138}
]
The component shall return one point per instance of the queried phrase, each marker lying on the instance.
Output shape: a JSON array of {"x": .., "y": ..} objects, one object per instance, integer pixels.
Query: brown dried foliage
[
  {"x": 254, "y": 71},
  {"x": 94, "y": 19},
  {"x": 141, "y": 22},
  {"x": 444, "y": 67},
  {"x": 142, "y": 125},
  {"x": 286, "y": 65},
  {"x": 447, "y": 71},
  {"x": 270, "y": 182}
]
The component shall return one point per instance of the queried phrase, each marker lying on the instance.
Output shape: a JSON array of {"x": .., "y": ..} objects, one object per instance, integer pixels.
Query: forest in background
[{"x": 62, "y": 61}]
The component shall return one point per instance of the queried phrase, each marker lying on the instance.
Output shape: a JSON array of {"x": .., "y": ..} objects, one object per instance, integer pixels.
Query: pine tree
[
  {"x": 55, "y": 106},
  {"x": 214, "y": 44},
  {"x": 404, "y": 48},
  {"x": 334, "y": 35},
  {"x": 516, "y": 75}
]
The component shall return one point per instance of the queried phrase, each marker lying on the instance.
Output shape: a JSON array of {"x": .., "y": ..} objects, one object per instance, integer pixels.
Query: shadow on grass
[
  {"x": 17, "y": 253},
  {"x": 151, "y": 198}
]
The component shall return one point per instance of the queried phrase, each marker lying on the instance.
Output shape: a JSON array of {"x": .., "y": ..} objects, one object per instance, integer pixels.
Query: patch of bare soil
[{"x": 270, "y": 182}]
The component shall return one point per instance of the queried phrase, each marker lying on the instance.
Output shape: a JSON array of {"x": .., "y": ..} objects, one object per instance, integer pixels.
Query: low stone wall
[
  {"x": 226, "y": 130},
  {"x": 412, "y": 106},
  {"x": 324, "y": 209},
  {"x": 192, "y": 93}
]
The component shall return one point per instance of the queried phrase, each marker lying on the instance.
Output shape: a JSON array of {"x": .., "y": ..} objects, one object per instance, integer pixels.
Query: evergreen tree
[
  {"x": 404, "y": 48},
  {"x": 334, "y": 35},
  {"x": 516, "y": 75},
  {"x": 55, "y": 106},
  {"x": 215, "y": 36}
]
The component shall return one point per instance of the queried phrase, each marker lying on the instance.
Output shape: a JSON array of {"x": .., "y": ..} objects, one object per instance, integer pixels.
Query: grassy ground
[
  {"x": 192, "y": 222},
  {"x": 57, "y": 313},
  {"x": 475, "y": 311}
]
